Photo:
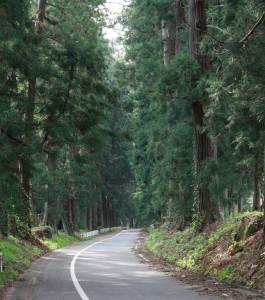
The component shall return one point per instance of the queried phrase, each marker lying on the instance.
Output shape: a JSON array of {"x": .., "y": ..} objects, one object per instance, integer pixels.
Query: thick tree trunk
[
  {"x": 204, "y": 147},
  {"x": 172, "y": 44},
  {"x": 25, "y": 208}
]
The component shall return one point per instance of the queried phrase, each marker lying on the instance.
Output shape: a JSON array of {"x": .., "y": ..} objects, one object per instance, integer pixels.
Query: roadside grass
[
  {"x": 180, "y": 248},
  {"x": 184, "y": 248},
  {"x": 18, "y": 254},
  {"x": 61, "y": 239},
  {"x": 215, "y": 251}
]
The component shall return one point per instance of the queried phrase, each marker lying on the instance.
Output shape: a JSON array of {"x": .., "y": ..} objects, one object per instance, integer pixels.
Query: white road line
[{"x": 80, "y": 291}]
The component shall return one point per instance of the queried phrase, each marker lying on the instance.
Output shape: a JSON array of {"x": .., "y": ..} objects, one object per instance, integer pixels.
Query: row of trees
[
  {"x": 174, "y": 131},
  {"x": 62, "y": 140},
  {"x": 194, "y": 73}
]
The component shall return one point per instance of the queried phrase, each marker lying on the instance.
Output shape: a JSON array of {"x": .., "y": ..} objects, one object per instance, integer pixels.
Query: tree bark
[
  {"x": 25, "y": 207},
  {"x": 3, "y": 221},
  {"x": 45, "y": 216},
  {"x": 180, "y": 21},
  {"x": 256, "y": 197},
  {"x": 204, "y": 147},
  {"x": 169, "y": 40},
  {"x": 90, "y": 218},
  {"x": 263, "y": 203},
  {"x": 95, "y": 216}
]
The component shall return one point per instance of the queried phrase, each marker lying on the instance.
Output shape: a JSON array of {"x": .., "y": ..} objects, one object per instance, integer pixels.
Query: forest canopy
[{"x": 173, "y": 131}]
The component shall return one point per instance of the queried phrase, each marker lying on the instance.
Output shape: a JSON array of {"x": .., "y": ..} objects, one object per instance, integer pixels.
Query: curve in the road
[{"x": 79, "y": 289}]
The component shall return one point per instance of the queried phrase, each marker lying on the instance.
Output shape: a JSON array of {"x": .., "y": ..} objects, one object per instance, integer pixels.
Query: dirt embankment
[{"x": 235, "y": 255}]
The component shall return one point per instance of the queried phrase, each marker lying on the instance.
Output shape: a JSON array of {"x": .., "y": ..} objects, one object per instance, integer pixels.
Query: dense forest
[
  {"x": 173, "y": 131},
  {"x": 63, "y": 146}
]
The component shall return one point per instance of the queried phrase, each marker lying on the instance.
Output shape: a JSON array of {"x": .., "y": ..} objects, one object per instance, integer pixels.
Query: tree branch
[
  {"x": 54, "y": 23},
  {"x": 11, "y": 137},
  {"x": 59, "y": 7},
  {"x": 261, "y": 19}
]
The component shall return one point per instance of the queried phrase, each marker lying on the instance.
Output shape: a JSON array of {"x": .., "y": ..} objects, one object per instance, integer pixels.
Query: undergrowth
[
  {"x": 213, "y": 252},
  {"x": 181, "y": 248},
  {"x": 19, "y": 254},
  {"x": 61, "y": 239}
]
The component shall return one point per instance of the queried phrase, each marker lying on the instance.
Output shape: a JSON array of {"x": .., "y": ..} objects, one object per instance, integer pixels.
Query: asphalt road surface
[{"x": 105, "y": 268}]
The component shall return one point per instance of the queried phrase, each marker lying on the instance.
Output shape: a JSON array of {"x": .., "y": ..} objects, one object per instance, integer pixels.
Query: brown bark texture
[
  {"x": 25, "y": 207},
  {"x": 256, "y": 197},
  {"x": 204, "y": 147}
]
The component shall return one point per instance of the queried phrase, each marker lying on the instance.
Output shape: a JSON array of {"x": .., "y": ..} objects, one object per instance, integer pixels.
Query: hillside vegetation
[{"x": 230, "y": 251}]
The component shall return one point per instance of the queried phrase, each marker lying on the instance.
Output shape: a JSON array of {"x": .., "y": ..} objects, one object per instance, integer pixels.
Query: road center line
[{"x": 80, "y": 291}]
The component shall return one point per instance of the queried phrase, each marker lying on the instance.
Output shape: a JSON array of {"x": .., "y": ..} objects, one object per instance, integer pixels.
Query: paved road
[{"x": 104, "y": 268}]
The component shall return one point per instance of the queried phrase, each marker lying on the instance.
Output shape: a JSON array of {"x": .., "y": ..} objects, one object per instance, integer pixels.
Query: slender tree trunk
[
  {"x": 180, "y": 22},
  {"x": 95, "y": 215},
  {"x": 45, "y": 216},
  {"x": 263, "y": 203},
  {"x": 169, "y": 41},
  {"x": 204, "y": 147},
  {"x": 256, "y": 197},
  {"x": 90, "y": 218},
  {"x": 3, "y": 221}
]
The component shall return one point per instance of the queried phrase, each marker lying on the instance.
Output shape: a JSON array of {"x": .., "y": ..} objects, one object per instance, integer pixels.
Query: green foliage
[
  {"x": 225, "y": 274},
  {"x": 209, "y": 252},
  {"x": 59, "y": 240},
  {"x": 181, "y": 248},
  {"x": 63, "y": 150},
  {"x": 17, "y": 256}
]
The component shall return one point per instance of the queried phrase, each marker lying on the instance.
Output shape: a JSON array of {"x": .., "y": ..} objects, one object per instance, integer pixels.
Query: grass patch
[
  {"x": 181, "y": 248},
  {"x": 216, "y": 251},
  {"x": 17, "y": 256},
  {"x": 60, "y": 239},
  {"x": 225, "y": 274}
]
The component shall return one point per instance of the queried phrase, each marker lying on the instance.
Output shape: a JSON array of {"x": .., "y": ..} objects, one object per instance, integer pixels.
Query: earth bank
[{"x": 222, "y": 258}]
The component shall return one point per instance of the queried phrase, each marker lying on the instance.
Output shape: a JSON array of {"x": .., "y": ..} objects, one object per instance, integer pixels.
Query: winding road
[{"x": 105, "y": 268}]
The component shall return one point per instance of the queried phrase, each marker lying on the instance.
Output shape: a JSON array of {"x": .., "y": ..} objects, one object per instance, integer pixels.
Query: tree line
[
  {"x": 63, "y": 158},
  {"x": 194, "y": 74},
  {"x": 171, "y": 132}
]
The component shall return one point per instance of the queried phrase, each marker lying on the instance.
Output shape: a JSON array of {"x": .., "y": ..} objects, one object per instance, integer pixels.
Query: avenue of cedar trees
[{"x": 172, "y": 131}]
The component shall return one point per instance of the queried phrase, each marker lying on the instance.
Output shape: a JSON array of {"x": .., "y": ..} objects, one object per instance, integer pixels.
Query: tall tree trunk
[
  {"x": 24, "y": 209},
  {"x": 180, "y": 22},
  {"x": 256, "y": 197},
  {"x": 169, "y": 40},
  {"x": 263, "y": 203},
  {"x": 90, "y": 218},
  {"x": 3, "y": 221},
  {"x": 204, "y": 147},
  {"x": 171, "y": 46},
  {"x": 95, "y": 216}
]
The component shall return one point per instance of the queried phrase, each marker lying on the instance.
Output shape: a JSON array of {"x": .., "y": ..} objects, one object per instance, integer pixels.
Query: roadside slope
[{"x": 227, "y": 252}]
